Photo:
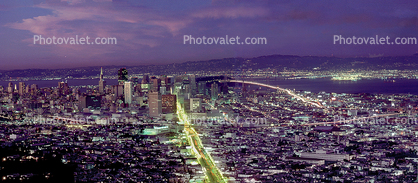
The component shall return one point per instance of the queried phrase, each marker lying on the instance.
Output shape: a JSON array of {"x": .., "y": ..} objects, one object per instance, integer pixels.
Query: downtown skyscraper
[
  {"x": 155, "y": 104},
  {"x": 214, "y": 91},
  {"x": 22, "y": 88},
  {"x": 122, "y": 75},
  {"x": 102, "y": 83},
  {"x": 128, "y": 92}
]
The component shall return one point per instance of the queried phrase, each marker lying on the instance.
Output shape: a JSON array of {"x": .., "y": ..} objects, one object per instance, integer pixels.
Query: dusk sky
[{"x": 151, "y": 32}]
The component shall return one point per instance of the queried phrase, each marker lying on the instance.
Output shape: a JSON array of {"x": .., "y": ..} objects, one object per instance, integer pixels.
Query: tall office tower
[
  {"x": 34, "y": 88},
  {"x": 169, "y": 104},
  {"x": 128, "y": 92},
  {"x": 10, "y": 88},
  {"x": 214, "y": 91},
  {"x": 177, "y": 89},
  {"x": 63, "y": 88},
  {"x": 178, "y": 79},
  {"x": 156, "y": 83},
  {"x": 186, "y": 87},
  {"x": 27, "y": 89},
  {"x": 102, "y": 83},
  {"x": 89, "y": 101},
  {"x": 163, "y": 90},
  {"x": 138, "y": 97},
  {"x": 164, "y": 79},
  {"x": 166, "y": 83},
  {"x": 186, "y": 105},
  {"x": 195, "y": 104},
  {"x": 155, "y": 104},
  {"x": 193, "y": 87},
  {"x": 117, "y": 91},
  {"x": 201, "y": 87},
  {"x": 224, "y": 89},
  {"x": 145, "y": 83},
  {"x": 138, "y": 88},
  {"x": 66, "y": 90},
  {"x": 134, "y": 81},
  {"x": 181, "y": 78},
  {"x": 22, "y": 88},
  {"x": 82, "y": 103},
  {"x": 122, "y": 76}
]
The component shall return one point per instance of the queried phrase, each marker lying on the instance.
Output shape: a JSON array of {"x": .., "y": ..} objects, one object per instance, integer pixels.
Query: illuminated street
[{"x": 205, "y": 160}]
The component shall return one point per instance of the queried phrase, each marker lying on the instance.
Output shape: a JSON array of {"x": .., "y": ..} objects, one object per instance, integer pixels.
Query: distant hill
[{"x": 275, "y": 62}]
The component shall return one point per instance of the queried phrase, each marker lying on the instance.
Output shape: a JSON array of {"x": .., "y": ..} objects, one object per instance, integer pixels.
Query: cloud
[
  {"x": 231, "y": 12},
  {"x": 73, "y": 2},
  {"x": 127, "y": 25},
  {"x": 172, "y": 25}
]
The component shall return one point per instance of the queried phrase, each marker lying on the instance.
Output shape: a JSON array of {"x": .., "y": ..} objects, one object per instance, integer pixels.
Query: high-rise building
[
  {"x": 138, "y": 88},
  {"x": 128, "y": 92},
  {"x": 156, "y": 83},
  {"x": 165, "y": 85},
  {"x": 117, "y": 91},
  {"x": 89, "y": 101},
  {"x": 169, "y": 104},
  {"x": 163, "y": 90},
  {"x": 10, "y": 87},
  {"x": 177, "y": 89},
  {"x": 34, "y": 88},
  {"x": 181, "y": 78},
  {"x": 193, "y": 87},
  {"x": 27, "y": 89},
  {"x": 63, "y": 88},
  {"x": 134, "y": 81},
  {"x": 186, "y": 103},
  {"x": 214, "y": 91},
  {"x": 122, "y": 76},
  {"x": 102, "y": 82},
  {"x": 155, "y": 104},
  {"x": 201, "y": 86},
  {"x": 164, "y": 80},
  {"x": 145, "y": 83},
  {"x": 195, "y": 104},
  {"x": 186, "y": 89},
  {"x": 22, "y": 88},
  {"x": 224, "y": 89}
]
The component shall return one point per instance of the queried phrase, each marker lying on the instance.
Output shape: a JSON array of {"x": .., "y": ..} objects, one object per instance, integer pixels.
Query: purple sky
[{"x": 152, "y": 31}]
